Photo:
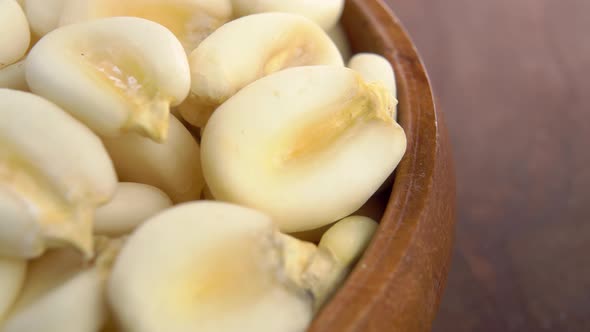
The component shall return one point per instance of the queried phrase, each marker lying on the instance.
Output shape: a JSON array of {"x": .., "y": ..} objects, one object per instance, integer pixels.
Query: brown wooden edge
[{"x": 398, "y": 283}]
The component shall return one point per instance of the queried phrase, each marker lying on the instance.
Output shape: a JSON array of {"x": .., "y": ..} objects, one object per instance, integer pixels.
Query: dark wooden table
[{"x": 512, "y": 78}]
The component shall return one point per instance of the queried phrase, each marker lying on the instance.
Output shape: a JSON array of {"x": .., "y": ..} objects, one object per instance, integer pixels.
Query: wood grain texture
[
  {"x": 512, "y": 77},
  {"x": 398, "y": 283}
]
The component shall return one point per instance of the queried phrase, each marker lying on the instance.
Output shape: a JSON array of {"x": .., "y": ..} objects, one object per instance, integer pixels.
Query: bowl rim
[{"x": 420, "y": 209}]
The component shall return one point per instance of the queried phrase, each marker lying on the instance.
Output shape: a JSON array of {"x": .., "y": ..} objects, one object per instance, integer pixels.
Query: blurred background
[{"x": 511, "y": 77}]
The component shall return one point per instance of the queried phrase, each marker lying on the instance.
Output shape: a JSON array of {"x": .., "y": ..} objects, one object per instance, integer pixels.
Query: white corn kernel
[
  {"x": 375, "y": 68},
  {"x": 221, "y": 267},
  {"x": 190, "y": 20},
  {"x": 15, "y": 35},
  {"x": 44, "y": 15},
  {"x": 339, "y": 248},
  {"x": 307, "y": 145},
  {"x": 247, "y": 49},
  {"x": 194, "y": 273},
  {"x": 173, "y": 166},
  {"x": 216, "y": 267},
  {"x": 116, "y": 75},
  {"x": 325, "y": 12},
  {"x": 53, "y": 173},
  {"x": 62, "y": 293},
  {"x": 132, "y": 204},
  {"x": 349, "y": 238}
]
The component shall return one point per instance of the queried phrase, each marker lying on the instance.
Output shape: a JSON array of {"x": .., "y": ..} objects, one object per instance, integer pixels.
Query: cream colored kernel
[
  {"x": 173, "y": 166},
  {"x": 58, "y": 219},
  {"x": 44, "y": 15},
  {"x": 14, "y": 33},
  {"x": 132, "y": 204},
  {"x": 191, "y": 21},
  {"x": 221, "y": 267},
  {"x": 376, "y": 69},
  {"x": 325, "y": 12},
  {"x": 53, "y": 173},
  {"x": 64, "y": 293},
  {"x": 306, "y": 145},
  {"x": 349, "y": 238},
  {"x": 204, "y": 248},
  {"x": 116, "y": 75}
]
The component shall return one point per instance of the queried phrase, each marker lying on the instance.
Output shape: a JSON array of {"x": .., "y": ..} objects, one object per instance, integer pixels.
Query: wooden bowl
[{"x": 398, "y": 283}]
